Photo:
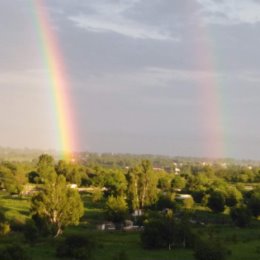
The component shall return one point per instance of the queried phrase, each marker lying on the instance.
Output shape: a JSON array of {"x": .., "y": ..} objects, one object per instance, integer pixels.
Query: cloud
[
  {"x": 123, "y": 27},
  {"x": 112, "y": 17},
  {"x": 230, "y": 11},
  {"x": 150, "y": 77},
  {"x": 250, "y": 76}
]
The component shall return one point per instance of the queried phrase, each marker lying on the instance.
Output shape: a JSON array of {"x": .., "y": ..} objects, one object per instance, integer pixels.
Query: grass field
[{"x": 244, "y": 243}]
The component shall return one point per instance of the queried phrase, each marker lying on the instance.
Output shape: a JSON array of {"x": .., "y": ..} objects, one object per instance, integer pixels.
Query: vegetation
[{"x": 145, "y": 207}]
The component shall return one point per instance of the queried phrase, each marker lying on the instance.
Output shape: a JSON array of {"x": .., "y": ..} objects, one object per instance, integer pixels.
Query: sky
[{"x": 169, "y": 77}]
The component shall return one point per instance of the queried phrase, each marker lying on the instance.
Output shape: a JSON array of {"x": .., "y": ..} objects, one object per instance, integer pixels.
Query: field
[{"x": 244, "y": 243}]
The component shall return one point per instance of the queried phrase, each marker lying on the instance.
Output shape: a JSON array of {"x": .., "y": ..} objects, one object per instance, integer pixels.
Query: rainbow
[
  {"x": 210, "y": 87},
  {"x": 59, "y": 84}
]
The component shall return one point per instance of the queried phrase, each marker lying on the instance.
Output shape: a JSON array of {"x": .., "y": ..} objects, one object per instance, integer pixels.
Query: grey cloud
[{"x": 230, "y": 11}]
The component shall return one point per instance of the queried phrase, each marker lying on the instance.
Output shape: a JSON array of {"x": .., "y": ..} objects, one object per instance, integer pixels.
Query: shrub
[
  {"x": 4, "y": 228},
  {"x": 188, "y": 203},
  {"x": 165, "y": 201},
  {"x": 76, "y": 247},
  {"x": 241, "y": 216},
  {"x": 165, "y": 232},
  {"x": 122, "y": 255},
  {"x": 31, "y": 232},
  {"x": 97, "y": 195},
  {"x": 216, "y": 201},
  {"x": 13, "y": 252},
  {"x": 210, "y": 250},
  {"x": 153, "y": 235}
]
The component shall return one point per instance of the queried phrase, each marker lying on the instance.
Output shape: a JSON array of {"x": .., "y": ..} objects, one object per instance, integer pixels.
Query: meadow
[{"x": 243, "y": 243}]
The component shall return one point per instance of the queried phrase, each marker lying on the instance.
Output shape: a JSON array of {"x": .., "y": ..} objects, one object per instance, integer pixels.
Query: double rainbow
[
  {"x": 213, "y": 130},
  {"x": 58, "y": 80}
]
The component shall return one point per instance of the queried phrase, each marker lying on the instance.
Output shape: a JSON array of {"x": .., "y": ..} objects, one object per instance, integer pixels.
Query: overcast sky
[{"x": 172, "y": 77}]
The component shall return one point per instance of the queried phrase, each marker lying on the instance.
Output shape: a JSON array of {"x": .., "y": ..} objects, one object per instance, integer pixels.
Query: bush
[
  {"x": 41, "y": 225},
  {"x": 97, "y": 195},
  {"x": 13, "y": 252},
  {"x": 153, "y": 235},
  {"x": 210, "y": 250},
  {"x": 30, "y": 232},
  {"x": 217, "y": 201},
  {"x": 165, "y": 232},
  {"x": 121, "y": 256},
  {"x": 188, "y": 203},
  {"x": 241, "y": 216},
  {"x": 165, "y": 201},
  {"x": 76, "y": 247},
  {"x": 4, "y": 228},
  {"x": 4, "y": 225},
  {"x": 17, "y": 221}
]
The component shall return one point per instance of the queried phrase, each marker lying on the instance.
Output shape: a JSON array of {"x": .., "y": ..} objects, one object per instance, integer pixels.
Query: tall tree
[
  {"x": 142, "y": 181},
  {"x": 58, "y": 204},
  {"x": 45, "y": 167}
]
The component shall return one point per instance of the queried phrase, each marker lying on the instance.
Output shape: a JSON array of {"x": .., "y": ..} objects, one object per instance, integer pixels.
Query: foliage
[
  {"x": 58, "y": 204},
  {"x": 240, "y": 216},
  {"x": 116, "y": 209},
  {"x": 122, "y": 255},
  {"x": 115, "y": 182},
  {"x": 142, "y": 186},
  {"x": 153, "y": 236},
  {"x": 188, "y": 203},
  {"x": 30, "y": 231},
  {"x": 4, "y": 225},
  {"x": 72, "y": 172},
  {"x": 76, "y": 247},
  {"x": 210, "y": 250},
  {"x": 97, "y": 195},
  {"x": 45, "y": 168},
  {"x": 13, "y": 252},
  {"x": 4, "y": 228},
  {"x": 165, "y": 201},
  {"x": 254, "y": 203},
  {"x": 178, "y": 183},
  {"x": 12, "y": 177},
  {"x": 216, "y": 201},
  {"x": 233, "y": 196},
  {"x": 165, "y": 232}
]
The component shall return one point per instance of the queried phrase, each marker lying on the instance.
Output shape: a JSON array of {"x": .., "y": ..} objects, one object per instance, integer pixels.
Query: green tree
[
  {"x": 178, "y": 183},
  {"x": 216, "y": 201},
  {"x": 254, "y": 202},
  {"x": 115, "y": 182},
  {"x": 116, "y": 209},
  {"x": 142, "y": 185},
  {"x": 72, "y": 172},
  {"x": 165, "y": 232},
  {"x": 233, "y": 196},
  {"x": 45, "y": 168},
  {"x": 58, "y": 204}
]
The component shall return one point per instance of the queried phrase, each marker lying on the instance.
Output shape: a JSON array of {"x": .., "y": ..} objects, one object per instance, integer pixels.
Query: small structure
[
  {"x": 183, "y": 196},
  {"x": 73, "y": 186},
  {"x": 106, "y": 226},
  {"x": 137, "y": 213}
]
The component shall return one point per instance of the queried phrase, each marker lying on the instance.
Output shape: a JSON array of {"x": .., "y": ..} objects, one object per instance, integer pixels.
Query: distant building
[{"x": 183, "y": 196}]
